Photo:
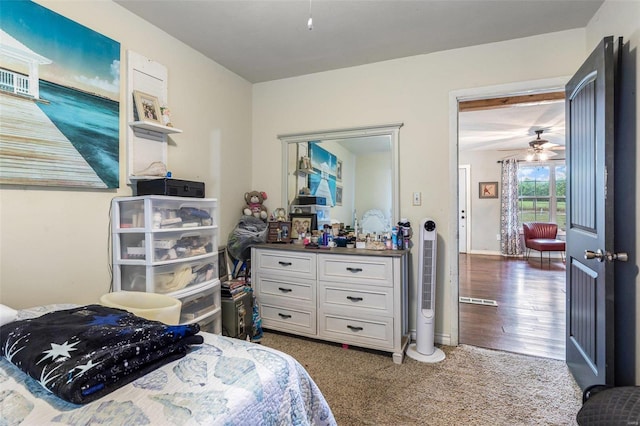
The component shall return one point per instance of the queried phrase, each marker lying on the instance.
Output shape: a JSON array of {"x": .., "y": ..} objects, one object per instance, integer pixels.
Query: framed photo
[
  {"x": 279, "y": 232},
  {"x": 223, "y": 267},
  {"x": 338, "y": 195},
  {"x": 488, "y": 190},
  {"x": 147, "y": 107},
  {"x": 302, "y": 223},
  {"x": 339, "y": 171}
]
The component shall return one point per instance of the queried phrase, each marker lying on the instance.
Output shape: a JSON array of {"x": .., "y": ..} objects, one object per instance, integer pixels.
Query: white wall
[
  {"x": 373, "y": 184},
  {"x": 54, "y": 242},
  {"x": 622, "y": 18},
  {"x": 414, "y": 91}
]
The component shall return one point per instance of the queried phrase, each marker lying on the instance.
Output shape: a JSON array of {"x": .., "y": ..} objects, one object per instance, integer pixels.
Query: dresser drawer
[
  {"x": 369, "y": 270},
  {"x": 294, "y": 290},
  {"x": 372, "y": 333},
  {"x": 292, "y": 264},
  {"x": 373, "y": 301},
  {"x": 287, "y": 319}
]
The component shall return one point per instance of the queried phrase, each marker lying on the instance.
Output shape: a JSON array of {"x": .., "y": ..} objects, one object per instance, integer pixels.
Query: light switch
[{"x": 417, "y": 198}]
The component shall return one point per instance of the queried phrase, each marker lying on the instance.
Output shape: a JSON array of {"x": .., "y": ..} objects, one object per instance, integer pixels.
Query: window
[{"x": 542, "y": 189}]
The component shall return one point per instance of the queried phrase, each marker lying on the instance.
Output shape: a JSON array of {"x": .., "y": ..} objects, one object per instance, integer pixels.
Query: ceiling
[
  {"x": 511, "y": 128},
  {"x": 269, "y": 40}
]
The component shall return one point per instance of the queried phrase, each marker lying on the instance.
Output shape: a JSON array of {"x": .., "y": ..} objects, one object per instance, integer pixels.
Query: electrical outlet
[
  {"x": 498, "y": 237},
  {"x": 417, "y": 198}
]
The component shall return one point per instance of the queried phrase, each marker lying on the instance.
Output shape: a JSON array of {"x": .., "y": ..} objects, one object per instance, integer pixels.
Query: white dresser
[{"x": 349, "y": 296}]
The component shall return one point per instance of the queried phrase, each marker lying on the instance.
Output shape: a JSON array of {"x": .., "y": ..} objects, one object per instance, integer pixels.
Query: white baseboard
[{"x": 485, "y": 252}]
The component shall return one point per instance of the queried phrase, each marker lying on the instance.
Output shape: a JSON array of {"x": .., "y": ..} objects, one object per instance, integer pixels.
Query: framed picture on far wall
[
  {"x": 488, "y": 189},
  {"x": 338, "y": 195},
  {"x": 147, "y": 107},
  {"x": 302, "y": 223}
]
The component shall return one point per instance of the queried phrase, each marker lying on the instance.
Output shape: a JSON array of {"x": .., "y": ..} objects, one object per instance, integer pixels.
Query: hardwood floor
[{"x": 530, "y": 316}]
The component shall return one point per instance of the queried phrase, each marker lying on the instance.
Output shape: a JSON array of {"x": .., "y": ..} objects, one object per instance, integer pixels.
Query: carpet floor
[{"x": 472, "y": 386}]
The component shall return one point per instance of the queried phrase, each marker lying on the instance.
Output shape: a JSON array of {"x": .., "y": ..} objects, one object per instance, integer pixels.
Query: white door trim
[
  {"x": 467, "y": 212},
  {"x": 519, "y": 88}
]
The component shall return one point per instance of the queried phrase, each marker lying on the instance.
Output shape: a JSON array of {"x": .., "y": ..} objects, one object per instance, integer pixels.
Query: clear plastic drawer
[
  {"x": 167, "y": 246},
  {"x": 198, "y": 306},
  {"x": 181, "y": 245},
  {"x": 168, "y": 278},
  {"x": 212, "y": 323},
  {"x": 161, "y": 212}
]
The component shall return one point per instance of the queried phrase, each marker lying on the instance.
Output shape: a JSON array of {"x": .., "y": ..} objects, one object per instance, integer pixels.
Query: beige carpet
[{"x": 472, "y": 386}]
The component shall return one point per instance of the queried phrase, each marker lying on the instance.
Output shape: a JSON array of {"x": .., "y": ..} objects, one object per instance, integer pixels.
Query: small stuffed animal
[{"x": 254, "y": 207}]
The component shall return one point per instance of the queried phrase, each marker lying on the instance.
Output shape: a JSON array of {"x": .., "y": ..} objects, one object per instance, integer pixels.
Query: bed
[{"x": 222, "y": 381}]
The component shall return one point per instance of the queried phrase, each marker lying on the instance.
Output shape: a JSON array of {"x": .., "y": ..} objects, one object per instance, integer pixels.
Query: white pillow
[{"x": 7, "y": 314}]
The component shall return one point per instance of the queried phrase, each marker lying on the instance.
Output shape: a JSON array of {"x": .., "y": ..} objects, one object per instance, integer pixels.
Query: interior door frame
[
  {"x": 467, "y": 183},
  {"x": 511, "y": 89}
]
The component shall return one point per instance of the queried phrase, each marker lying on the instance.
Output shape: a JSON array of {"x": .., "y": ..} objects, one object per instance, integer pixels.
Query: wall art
[{"x": 60, "y": 101}]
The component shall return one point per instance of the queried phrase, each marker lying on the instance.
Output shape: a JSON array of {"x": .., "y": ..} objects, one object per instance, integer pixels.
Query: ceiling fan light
[{"x": 529, "y": 157}]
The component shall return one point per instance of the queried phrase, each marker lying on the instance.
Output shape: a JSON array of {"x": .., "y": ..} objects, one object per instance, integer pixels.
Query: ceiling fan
[{"x": 541, "y": 149}]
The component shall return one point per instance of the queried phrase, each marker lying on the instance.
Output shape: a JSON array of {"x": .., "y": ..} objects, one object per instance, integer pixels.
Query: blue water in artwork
[{"x": 91, "y": 123}]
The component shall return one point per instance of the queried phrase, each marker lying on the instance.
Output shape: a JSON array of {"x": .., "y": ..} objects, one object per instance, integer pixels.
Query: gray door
[{"x": 589, "y": 139}]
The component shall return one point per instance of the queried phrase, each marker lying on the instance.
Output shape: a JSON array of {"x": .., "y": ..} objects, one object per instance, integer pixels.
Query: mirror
[{"x": 355, "y": 170}]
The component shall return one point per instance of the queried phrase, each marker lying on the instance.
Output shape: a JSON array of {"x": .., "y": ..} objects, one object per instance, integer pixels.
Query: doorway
[{"x": 503, "y": 303}]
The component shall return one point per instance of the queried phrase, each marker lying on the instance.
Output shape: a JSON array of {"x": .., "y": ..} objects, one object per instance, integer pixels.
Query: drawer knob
[
  {"x": 284, "y": 290},
  {"x": 354, "y": 328},
  {"x": 285, "y": 263},
  {"x": 355, "y": 299},
  {"x": 354, "y": 270},
  {"x": 284, "y": 316}
]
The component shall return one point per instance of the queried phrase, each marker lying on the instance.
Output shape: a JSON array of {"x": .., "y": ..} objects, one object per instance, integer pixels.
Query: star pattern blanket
[{"x": 84, "y": 353}]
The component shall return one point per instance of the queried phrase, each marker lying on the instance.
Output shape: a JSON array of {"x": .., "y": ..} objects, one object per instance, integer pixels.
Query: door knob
[{"x": 608, "y": 256}]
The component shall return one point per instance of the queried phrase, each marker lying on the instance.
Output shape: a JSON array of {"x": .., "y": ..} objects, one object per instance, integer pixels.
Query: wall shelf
[
  {"x": 146, "y": 140},
  {"x": 305, "y": 172},
  {"x": 149, "y": 130}
]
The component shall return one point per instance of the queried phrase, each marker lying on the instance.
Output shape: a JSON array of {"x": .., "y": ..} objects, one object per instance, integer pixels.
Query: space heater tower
[{"x": 424, "y": 350}]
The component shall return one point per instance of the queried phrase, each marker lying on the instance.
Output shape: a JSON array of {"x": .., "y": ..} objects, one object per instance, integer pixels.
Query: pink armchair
[{"x": 541, "y": 236}]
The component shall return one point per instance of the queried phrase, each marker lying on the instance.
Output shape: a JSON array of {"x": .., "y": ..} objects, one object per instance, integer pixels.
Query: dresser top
[{"x": 332, "y": 250}]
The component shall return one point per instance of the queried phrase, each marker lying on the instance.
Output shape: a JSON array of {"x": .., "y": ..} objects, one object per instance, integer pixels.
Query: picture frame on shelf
[
  {"x": 488, "y": 189},
  {"x": 147, "y": 107},
  {"x": 302, "y": 223},
  {"x": 279, "y": 232}
]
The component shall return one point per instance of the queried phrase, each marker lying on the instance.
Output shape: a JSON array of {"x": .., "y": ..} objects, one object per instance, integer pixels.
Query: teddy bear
[{"x": 254, "y": 207}]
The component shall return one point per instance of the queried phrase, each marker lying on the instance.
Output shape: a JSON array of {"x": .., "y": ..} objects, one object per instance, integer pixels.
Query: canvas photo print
[{"x": 60, "y": 101}]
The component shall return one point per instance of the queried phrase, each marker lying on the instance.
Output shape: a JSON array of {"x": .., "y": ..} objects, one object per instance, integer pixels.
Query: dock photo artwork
[{"x": 60, "y": 101}]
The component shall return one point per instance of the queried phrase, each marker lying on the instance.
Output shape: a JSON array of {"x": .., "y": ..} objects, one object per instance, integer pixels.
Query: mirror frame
[{"x": 391, "y": 130}]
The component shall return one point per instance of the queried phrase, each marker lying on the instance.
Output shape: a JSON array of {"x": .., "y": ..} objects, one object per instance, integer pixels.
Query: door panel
[{"x": 589, "y": 141}]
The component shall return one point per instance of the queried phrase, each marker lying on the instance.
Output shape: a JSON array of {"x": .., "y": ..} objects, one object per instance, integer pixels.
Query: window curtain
[{"x": 510, "y": 244}]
